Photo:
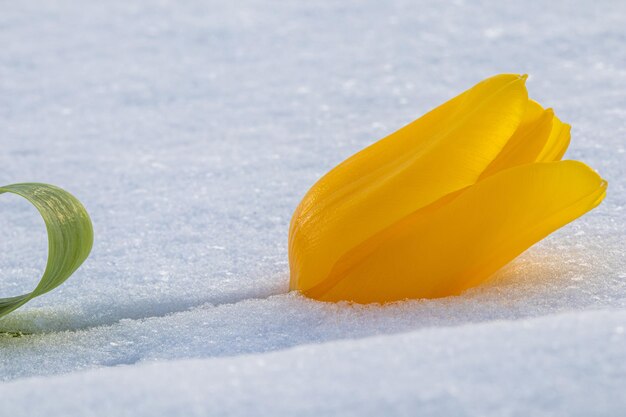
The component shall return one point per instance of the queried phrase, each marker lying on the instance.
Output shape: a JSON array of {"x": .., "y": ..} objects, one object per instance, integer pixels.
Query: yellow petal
[
  {"x": 438, "y": 154},
  {"x": 557, "y": 143},
  {"x": 452, "y": 245},
  {"x": 527, "y": 142}
]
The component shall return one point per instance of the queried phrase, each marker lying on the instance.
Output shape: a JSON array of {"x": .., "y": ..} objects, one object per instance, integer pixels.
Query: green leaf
[{"x": 70, "y": 237}]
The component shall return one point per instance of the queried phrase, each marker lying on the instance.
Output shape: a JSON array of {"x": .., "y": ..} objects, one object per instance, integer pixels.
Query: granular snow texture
[{"x": 191, "y": 130}]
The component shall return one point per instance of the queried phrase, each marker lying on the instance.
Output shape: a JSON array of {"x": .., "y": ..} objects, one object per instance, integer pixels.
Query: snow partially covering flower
[{"x": 438, "y": 206}]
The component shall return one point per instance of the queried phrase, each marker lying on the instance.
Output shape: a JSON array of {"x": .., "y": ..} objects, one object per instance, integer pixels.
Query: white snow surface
[{"x": 191, "y": 130}]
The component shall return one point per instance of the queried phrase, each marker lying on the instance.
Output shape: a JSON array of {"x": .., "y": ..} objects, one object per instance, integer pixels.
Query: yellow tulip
[{"x": 438, "y": 206}]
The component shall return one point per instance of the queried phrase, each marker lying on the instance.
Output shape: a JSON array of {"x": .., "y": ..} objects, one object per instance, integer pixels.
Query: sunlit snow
[{"x": 191, "y": 130}]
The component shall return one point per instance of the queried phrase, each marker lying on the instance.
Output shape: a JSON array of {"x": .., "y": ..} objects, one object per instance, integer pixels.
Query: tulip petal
[
  {"x": 557, "y": 143},
  {"x": 444, "y": 151},
  {"x": 453, "y": 245},
  {"x": 527, "y": 142}
]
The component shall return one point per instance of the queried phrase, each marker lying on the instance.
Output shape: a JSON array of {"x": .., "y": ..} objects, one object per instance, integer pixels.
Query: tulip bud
[{"x": 440, "y": 205}]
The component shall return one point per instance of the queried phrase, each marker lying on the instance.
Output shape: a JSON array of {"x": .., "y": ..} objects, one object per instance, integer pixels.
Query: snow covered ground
[{"x": 190, "y": 131}]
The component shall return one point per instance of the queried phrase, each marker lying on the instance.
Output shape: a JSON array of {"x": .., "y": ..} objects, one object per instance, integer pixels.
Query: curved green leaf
[{"x": 70, "y": 237}]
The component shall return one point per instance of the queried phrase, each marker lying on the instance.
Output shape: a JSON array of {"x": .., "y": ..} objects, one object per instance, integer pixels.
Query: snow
[
  {"x": 191, "y": 130},
  {"x": 534, "y": 365}
]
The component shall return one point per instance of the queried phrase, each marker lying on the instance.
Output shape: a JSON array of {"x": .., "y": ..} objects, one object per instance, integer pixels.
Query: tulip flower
[{"x": 440, "y": 205}]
